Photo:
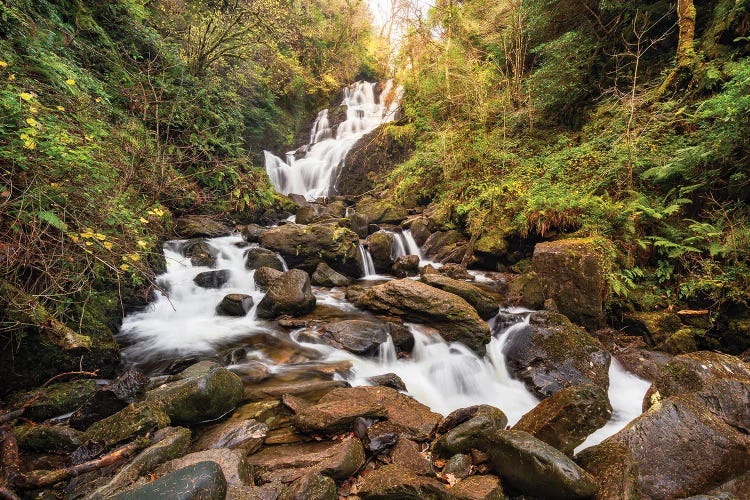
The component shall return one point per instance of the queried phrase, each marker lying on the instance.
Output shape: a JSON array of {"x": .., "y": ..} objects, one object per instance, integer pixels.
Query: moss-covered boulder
[
  {"x": 312, "y": 486},
  {"x": 200, "y": 226},
  {"x": 446, "y": 246},
  {"x": 455, "y": 318},
  {"x": 56, "y": 399},
  {"x": 202, "y": 392},
  {"x": 483, "y": 302},
  {"x": 572, "y": 273},
  {"x": 655, "y": 327},
  {"x": 379, "y": 244},
  {"x": 310, "y": 213},
  {"x": 393, "y": 481},
  {"x": 552, "y": 353},
  {"x": 290, "y": 293},
  {"x": 381, "y": 211},
  {"x": 45, "y": 438},
  {"x": 479, "y": 425},
  {"x": 526, "y": 290},
  {"x": 305, "y": 247},
  {"x": 132, "y": 421},
  {"x": 261, "y": 257},
  {"x": 420, "y": 228}
]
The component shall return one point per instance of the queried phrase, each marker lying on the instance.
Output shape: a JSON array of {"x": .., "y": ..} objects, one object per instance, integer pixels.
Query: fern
[{"x": 52, "y": 219}]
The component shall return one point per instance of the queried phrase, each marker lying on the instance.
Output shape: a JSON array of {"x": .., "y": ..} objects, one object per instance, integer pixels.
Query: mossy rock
[
  {"x": 381, "y": 211},
  {"x": 56, "y": 399},
  {"x": 492, "y": 242},
  {"x": 47, "y": 438},
  {"x": 135, "y": 420},
  {"x": 655, "y": 327},
  {"x": 527, "y": 291}
]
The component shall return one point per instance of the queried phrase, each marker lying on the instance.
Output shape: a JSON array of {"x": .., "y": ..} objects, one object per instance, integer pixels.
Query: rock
[
  {"x": 359, "y": 225},
  {"x": 359, "y": 336},
  {"x": 200, "y": 253},
  {"x": 336, "y": 417},
  {"x": 402, "y": 338},
  {"x": 101, "y": 405},
  {"x": 614, "y": 468},
  {"x": 379, "y": 244},
  {"x": 572, "y": 273},
  {"x": 486, "y": 487},
  {"x": 407, "y": 454},
  {"x": 132, "y": 421},
  {"x": 388, "y": 380},
  {"x": 212, "y": 279},
  {"x": 260, "y": 257},
  {"x": 265, "y": 276},
  {"x": 681, "y": 448},
  {"x": 381, "y": 211},
  {"x": 382, "y": 436},
  {"x": 565, "y": 419},
  {"x": 291, "y": 293},
  {"x": 552, "y": 353},
  {"x": 420, "y": 229},
  {"x": 458, "y": 466},
  {"x": 204, "y": 391},
  {"x": 312, "y": 212},
  {"x": 473, "y": 433},
  {"x": 312, "y": 486},
  {"x": 231, "y": 462},
  {"x": 445, "y": 246},
  {"x": 47, "y": 438},
  {"x": 484, "y": 303},
  {"x": 305, "y": 247},
  {"x": 654, "y": 327},
  {"x": 456, "y": 271},
  {"x": 395, "y": 482},
  {"x": 55, "y": 400},
  {"x": 286, "y": 463},
  {"x": 234, "y": 434},
  {"x": 200, "y": 481},
  {"x": 406, "y": 265},
  {"x": 251, "y": 233},
  {"x": 312, "y": 390},
  {"x": 455, "y": 318},
  {"x": 325, "y": 275},
  {"x": 492, "y": 242},
  {"x": 200, "y": 226},
  {"x": 537, "y": 469},
  {"x": 683, "y": 341},
  {"x": 235, "y": 304},
  {"x": 252, "y": 372},
  {"x": 526, "y": 290}
]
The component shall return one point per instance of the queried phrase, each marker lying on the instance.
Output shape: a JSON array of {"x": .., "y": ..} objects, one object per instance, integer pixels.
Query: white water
[
  {"x": 368, "y": 266},
  {"x": 314, "y": 174}
]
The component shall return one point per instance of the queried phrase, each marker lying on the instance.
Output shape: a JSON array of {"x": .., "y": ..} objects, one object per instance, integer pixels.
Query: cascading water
[
  {"x": 368, "y": 266},
  {"x": 313, "y": 175}
]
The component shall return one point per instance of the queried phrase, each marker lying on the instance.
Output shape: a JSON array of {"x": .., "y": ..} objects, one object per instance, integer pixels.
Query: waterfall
[
  {"x": 313, "y": 174},
  {"x": 399, "y": 246},
  {"x": 368, "y": 266}
]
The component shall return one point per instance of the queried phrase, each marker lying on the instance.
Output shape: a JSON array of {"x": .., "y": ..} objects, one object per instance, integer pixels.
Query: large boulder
[
  {"x": 264, "y": 277},
  {"x": 110, "y": 399},
  {"x": 336, "y": 417},
  {"x": 537, "y": 469},
  {"x": 312, "y": 212},
  {"x": 655, "y": 327},
  {"x": 572, "y": 273},
  {"x": 203, "y": 480},
  {"x": 455, "y": 318},
  {"x": 200, "y": 226},
  {"x": 55, "y": 399},
  {"x": 291, "y": 293},
  {"x": 420, "y": 229},
  {"x": 470, "y": 428},
  {"x": 484, "y": 303},
  {"x": 446, "y": 246},
  {"x": 614, "y": 469},
  {"x": 325, "y": 275},
  {"x": 396, "y": 482},
  {"x": 204, "y": 391},
  {"x": 305, "y": 247},
  {"x": 379, "y": 244},
  {"x": 565, "y": 419},
  {"x": 551, "y": 353},
  {"x": 359, "y": 336},
  {"x": 261, "y": 257},
  {"x": 526, "y": 290},
  {"x": 381, "y": 211},
  {"x": 405, "y": 265}
]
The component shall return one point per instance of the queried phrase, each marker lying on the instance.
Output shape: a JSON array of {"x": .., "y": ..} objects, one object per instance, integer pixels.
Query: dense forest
[{"x": 584, "y": 163}]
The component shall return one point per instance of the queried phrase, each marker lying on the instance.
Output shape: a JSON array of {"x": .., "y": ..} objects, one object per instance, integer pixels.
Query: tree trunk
[{"x": 686, "y": 21}]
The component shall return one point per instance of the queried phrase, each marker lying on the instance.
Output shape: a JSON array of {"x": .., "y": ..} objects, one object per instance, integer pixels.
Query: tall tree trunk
[{"x": 686, "y": 22}]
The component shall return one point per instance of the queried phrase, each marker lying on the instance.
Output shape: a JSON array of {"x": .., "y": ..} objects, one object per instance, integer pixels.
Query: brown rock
[
  {"x": 407, "y": 454},
  {"x": 336, "y": 417},
  {"x": 614, "y": 468},
  {"x": 234, "y": 434},
  {"x": 486, "y": 487},
  {"x": 393, "y": 481},
  {"x": 232, "y": 463}
]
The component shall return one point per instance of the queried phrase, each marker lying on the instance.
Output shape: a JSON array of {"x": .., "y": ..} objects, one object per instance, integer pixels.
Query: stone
[
  {"x": 455, "y": 318},
  {"x": 47, "y": 438},
  {"x": 312, "y": 390},
  {"x": 289, "y": 462},
  {"x": 312, "y": 212},
  {"x": 445, "y": 246},
  {"x": 234, "y": 434},
  {"x": 55, "y": 400},
  {"x": 402, "y": 337},
  {"x": 572, "y": 273},
  {"x": 526, "y": 290},
  {"x": 551, "y": 353},
  {"x": 232, "y": 463},
  {"x": 251, "y": 233},
  {"x": 486, "y": 487},
  {"x": 200, "y": 481},
  {"x": 420, "y": 229},
  {"x": 200, "y": 226},
  {"x": 305, "y": 247},
  {"x": 291, "y": 293},
  {"x": 335, "y": 417},
  {"x": 381, "y": 211},
  {"x": 325, "y": 275},
  {"x": 537, "y": 469},
  {"x": 260, "y": 257},
  {"x": 135, "y": 420},
  {"x": 235, "y": 304},
  {"x": 252, "y": 372},
  {"x": 459, "y": 466},
  {"x": 654, "y": 327},
  {"x": 311, "y": 486},
  {"x": 200, "y": 253},
  {"x": 407, "y": 454},
  {"x": 359, "y": 225},
  {"x": 204, "y": 391},
  {"x": 614, "y": 468},
  {"x": 396, "y": 482},
  {"x": 264, "y": 277},
  {"x": 388, "y": 380},
  {"x": 565, "y": 419},
  {"x": 379, "y": 244},
  {"x": 358, "y": 336},
  {"x": 212, "y": 279},
  {"x": 456, "y": 271},
  {"x": 484, "y": 303},
  {"x": 492, "y": 242},
  {"x": 405, "y": 265},
  {"x": 101, "y": 404},
  {"x": 472, "y": 433}
]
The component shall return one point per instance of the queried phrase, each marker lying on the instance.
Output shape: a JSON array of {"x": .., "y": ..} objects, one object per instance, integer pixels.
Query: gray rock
[
  {"x": 232, "y": 462},
  {"x": 260, "y": 257},
  {"x": 291, "y": 293},
  {"x": 212, "y": 279},
  {"x": 234, "y": 434},
  {"x": 473, "y": 433},
  {"x": 325, "y": 275},
  {"x": 235, "y": 304},
  {"x": 200, "y": 481}
]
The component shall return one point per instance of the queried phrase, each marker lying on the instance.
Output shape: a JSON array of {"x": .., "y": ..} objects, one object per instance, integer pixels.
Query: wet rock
[
  {"x": 456, "y": 271},
  {"x": 537, "y": 469},
  {"x": 407, "y": 454},
  {"x": 305, "y": 247},
  {"x": 388, "y": 380},
  {"x": 204, "y": 481},
  {"x": 291, "y": 293},
  {"x": 458, "y": 466},
  {"x": 212, "y": 279},
  {"x": 234, "y": 434},
  {"x": 335, "y": 417},
  {"x": 110, "y": 399},
  {"x": 132, "y": 421},
  {"x": 286, "y": 463},
  {"x": 265, "y": 276},
  {"x": 614, "y": 468},
  {"x": 734, "y": 489},
  {"x": 251, "y": 233},
  {"x": 445, "y": 246},
  {"x": 325, "y": 275},
  {"x": 382, "y": 436},
  {"x": 484, "y": 303},
  {"x": 129, "y": 386},
  {"x": 200, "y": 226},
  {"x": 473, "y": 433},
  {"x": 361, "y": 337},
  {"x": 379, "y": 244},
  {"x": 405, "y": 265},
  {"x": 455, "y": 318},
  {"x": 394, "y": 481},
  {"x": 312, "y": 486},
  {"x": 420, "y": 229},
  {"x": 235, "y": 304},
  {"x": 359, "y": 225},
  {"x": 487, "y": 487},
  {"x": 312, "y": 212},
  {"x": 381, "y": 211},
  {"x": 552, "y": 353},
  {"x": 260, "y": 257},
  {"x": 231, "y": 462},
  {"x": 654, "y": 327},
  {"x": 270, "y": 491},
  {"x": 682, "y": 341},
  {"x": 312, "y": 390},
  {"x": 644, "y": 363},
  {"x": 492, "y": 242},
  {"x": 204, "y": 391},
  {"x": 571, "y": 272},
  {"x": 565, "y": 419},
  {"x": 252, "y": 372},
  {"x": 47, "y": 438},
  {"x": 402, "y": 337},
  {"x": 526, "y": 290},
  {"x": 416, "y": 420},
  {"x": 200, "y": 253},
  {"x": 55, "y": 400}
]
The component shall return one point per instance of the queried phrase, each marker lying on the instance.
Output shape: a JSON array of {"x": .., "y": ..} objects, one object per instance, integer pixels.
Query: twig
[{"x": 67, "y": 374}]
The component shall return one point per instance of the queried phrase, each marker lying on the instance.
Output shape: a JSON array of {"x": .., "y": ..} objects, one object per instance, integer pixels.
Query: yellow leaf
[
  {"x": 11, "y": 78},
  {"x": 107, "y": 245},
  {"x": 70, "y": 81},
  {"x": 135, "y": 257},
  {"x": 124, "y": 267},
  {"x": 32, "y": 122},
  {"x": 144, "y": 221},
  {"x": 100, "y": 236},
  {"x": 142, "y": 244},
  {"x": 26, "y": 96},
  {"x": 60, "y": 108},
  {"x": 98, "y": 99},
  {"x": 88, "y": 243},
  {"x": 34, "y": 110},
  {"x": 3, "y": 64}
]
